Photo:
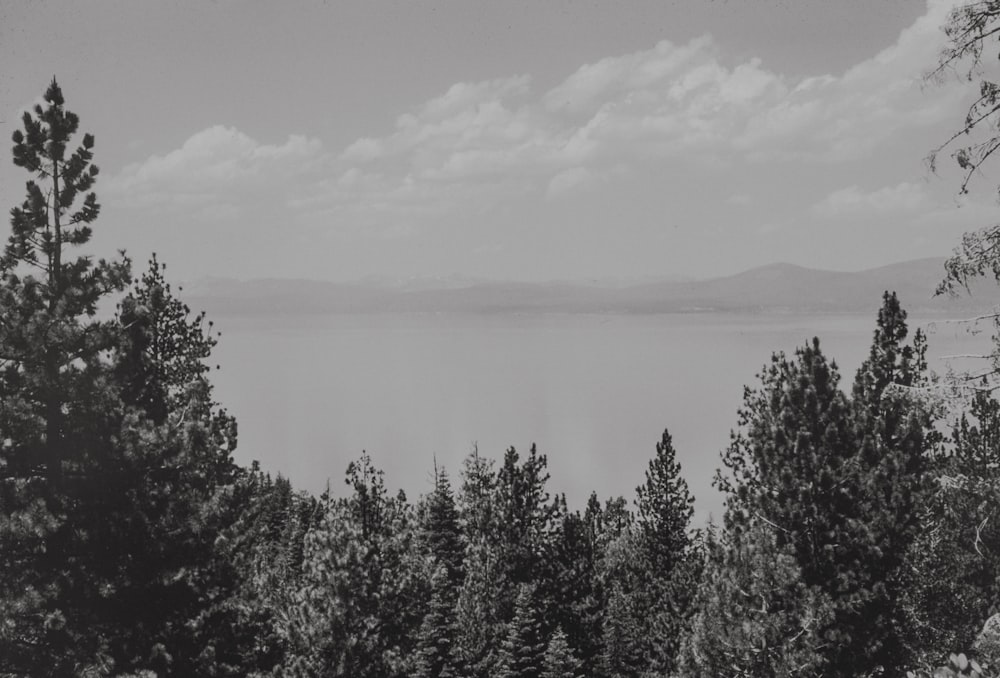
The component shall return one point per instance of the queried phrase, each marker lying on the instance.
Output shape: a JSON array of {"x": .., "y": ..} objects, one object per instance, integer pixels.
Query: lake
[{"x": 594, "y": 392}]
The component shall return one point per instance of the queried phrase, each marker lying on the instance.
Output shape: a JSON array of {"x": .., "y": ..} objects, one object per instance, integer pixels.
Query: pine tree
[
  {"x": 442, "y": 532},
  {"x": 895, "y": 430},
  {"x": 508, "y": 521},
  {"x": 619, "y": 649},
  {"x": 622, "y": 636},
  {"x": 794, "y": 464},
  {"x": 559, "y": 661},
  {"x": 953, "y": 565},
  {"x": 617, "y": 518},
  {"x": 523, "y": 652},
  {"x": 667, "y": 577},
  {"x": 360, "y": 600},
  {"x": 435, "y": 643},
  {"x": 577, "y": 590},
  {"x": 55, "y": 295},
  {"x": 477, "y": 499},
  {"x": 369, "y": 503},
  {"x": 480, "y": 627},
  {"x": 265, "y": 572},
  {"x": 526, "y": 515},
  {"x": 55, "y": 403},
  {"x": 163, "y": 348},
  {"x": 756, "y": 617},
  {"x": 665, "y": 507},
  {"x": 116, "y": 457},
  {"x": 839, "y": 482},
  {"x": 974, "y": 449},
  {"x": 174, "y": 488},
  {"x": 891, "y": 364},
  {"x": 479, "y": 610}
]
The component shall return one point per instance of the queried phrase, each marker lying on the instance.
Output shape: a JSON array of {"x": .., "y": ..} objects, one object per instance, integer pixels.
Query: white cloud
[
  {"x": 843, "y": 117},
  {"x": 479, "y": 143},
  {"x": 468, "y": 116},
  {"x": 670, "y": 103},
  {"x": 616, "y": 77},
  {"x": 216, "y": 165},
  {"x": 901, "y": 198}
]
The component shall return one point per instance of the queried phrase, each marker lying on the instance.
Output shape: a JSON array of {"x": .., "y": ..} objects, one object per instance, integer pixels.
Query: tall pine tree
[
  {"x": 441, "y": 530},
  {"x": 839, "y": 482},
  {"x": 668, "y": 571},
  {"x": 115, "y": 457},
  {"x": 479, "y": 609},
  {"x": 523, "y": 651},
  {"x": 360, "y": 600},
  {"x": 559, "y": 660},
  {"x": 56, "y": 406},
  {"x": 896, "y": 436},
  {"x": 436, "y": 657}
]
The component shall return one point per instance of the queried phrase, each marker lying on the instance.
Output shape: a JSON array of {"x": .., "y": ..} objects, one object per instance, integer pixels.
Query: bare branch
[{"x": 979, "y": 540}]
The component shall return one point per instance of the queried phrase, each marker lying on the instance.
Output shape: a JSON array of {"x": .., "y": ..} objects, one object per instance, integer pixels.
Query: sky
[{"x": 514, "y": 140}]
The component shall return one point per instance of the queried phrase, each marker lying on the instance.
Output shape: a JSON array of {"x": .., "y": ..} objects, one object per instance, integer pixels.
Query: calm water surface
[{"x": 593, "y": 392}]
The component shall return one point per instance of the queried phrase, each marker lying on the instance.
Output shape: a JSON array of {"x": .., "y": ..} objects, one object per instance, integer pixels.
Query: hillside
[{"x": 776, "y": 287}]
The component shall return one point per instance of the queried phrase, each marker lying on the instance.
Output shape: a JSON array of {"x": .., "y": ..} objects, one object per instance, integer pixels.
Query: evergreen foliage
[
  {"x": 756, "y": 616},
  {"x": 665, "y": 507},
  {"x": 954, "y": 563},
  {"x": 114, "y": 501},
  {"x": 839, "y": 482},
  {"x": 481, "y": 627},
  {"x": 163, "y": 349},
  {"x": 480, "y": 610},
  {"x": 359, "y": 601},
  {"x": 522, "y": 654},
  {"x": 578, "y": 592},
  {"x": 435, "y": 645},
  {"x": 442, "y": 532},
  {"x": 668, "y": 576},
  {"x": 622, "y": 640},
  {"x": 58, "y": 410},
  {"x": 559, "y": 660},
  {"x": 527, "y": 516}
]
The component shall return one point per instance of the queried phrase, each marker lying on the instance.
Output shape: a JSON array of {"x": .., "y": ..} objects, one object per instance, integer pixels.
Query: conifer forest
[{"x": 860, "y": 535}]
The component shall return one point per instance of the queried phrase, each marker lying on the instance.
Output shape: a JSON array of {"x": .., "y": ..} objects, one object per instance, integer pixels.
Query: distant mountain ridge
[{"x": 777, "y": 287}]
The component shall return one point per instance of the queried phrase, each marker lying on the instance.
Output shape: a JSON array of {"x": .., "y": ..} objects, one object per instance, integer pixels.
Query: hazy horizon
[{"x": 388, "y": 278}]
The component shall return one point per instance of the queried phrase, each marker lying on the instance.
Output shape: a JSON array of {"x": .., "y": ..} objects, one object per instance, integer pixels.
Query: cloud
[
  {"x": 472, "y": 135},
  {"x": 851, "y": 201},
  {"x": 677, "y": 107},
  {"x": 616, "y": 78},
  {"x": 844, "y": 117},
  {"x": 670, "y": 104},
  {"x": 667, "y": 100},
  {"x": 466, "y": 112},
  {"x": 218, "y": 165}
]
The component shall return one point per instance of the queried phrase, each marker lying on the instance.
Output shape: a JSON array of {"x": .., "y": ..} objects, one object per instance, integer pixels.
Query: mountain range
[{"x": 773, "y": 288}]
